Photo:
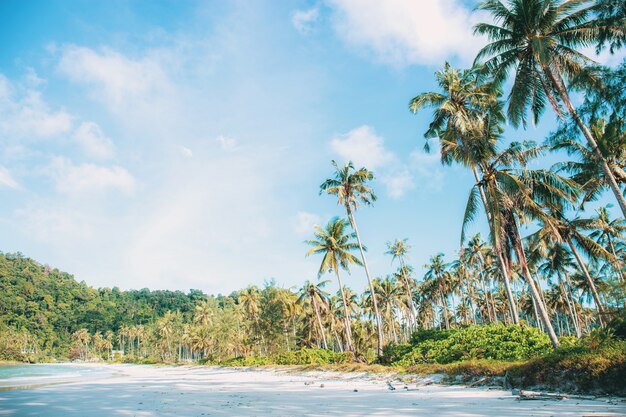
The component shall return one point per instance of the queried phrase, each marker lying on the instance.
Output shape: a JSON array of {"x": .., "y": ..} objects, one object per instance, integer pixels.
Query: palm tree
[
  {"x": 335, "y": 244},
  {"x": 538, "y": 39},
  {"x": 607, "y": 232},
  {"x": 399, "y": 250},
  {"x": 611, "y": 139},
  {"x": 558, "y": 262},
  {"x": 516, "y": 194},
  {"x": 437, "y": 275},
  {"x": 349, "y": 186},
  {"x": 467, "y": 120},
  {"x": 318, "y": 298}
]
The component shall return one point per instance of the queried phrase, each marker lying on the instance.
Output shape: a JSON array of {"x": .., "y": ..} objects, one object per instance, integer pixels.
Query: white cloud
[
  {"x": 24, "y": 113},
  {"x": 303, "y": 20},
  {"x": 228, "y": 144},
  {"x": 398, "y": 183},
  {"x": 117, "y": 78},
  {"x": 6, "y": 180},
  {"x": 186, "y": 152},
  {"x": 363, "y": 147},
  {"x": 81, "y": 178},
  {"x": 303, "y": 222},
  {"x": 93, "y": 141},
  {"x": 404, "y": 32}
]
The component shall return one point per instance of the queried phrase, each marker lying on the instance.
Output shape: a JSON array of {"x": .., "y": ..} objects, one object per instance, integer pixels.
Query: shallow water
[{"x": 27, "y": 375}]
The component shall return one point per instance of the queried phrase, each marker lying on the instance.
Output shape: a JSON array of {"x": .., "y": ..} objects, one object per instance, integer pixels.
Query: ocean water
[{"x": 43, "y": 374}]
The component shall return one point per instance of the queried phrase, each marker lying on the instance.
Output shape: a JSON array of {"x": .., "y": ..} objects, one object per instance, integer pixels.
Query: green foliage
[
  {"x": 498, "y": 342},
  {"x": 579, "y": 368},
  {"x": 303, "y": 356}
]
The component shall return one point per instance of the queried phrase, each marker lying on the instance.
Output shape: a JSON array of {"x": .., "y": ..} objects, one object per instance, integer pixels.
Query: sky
[{"x": 177, "y": 145}]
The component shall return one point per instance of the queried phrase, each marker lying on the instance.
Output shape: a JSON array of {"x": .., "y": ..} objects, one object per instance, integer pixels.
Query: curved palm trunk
[
  {"x": 590, "y": 139},
  {"x": 348, "y": 330},
  {"x": 369, "y": 280},
  {"x": 518, "y": 247},
  {"x": 319, "y": 321},
  {"x": 412, "y": 320},
  {"x": 592, "y": 286},
  {"x": 504, "y": 268}
]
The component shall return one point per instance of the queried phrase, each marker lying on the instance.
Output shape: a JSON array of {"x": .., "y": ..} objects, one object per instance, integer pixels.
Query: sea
[{"x": 33, "y": 375}]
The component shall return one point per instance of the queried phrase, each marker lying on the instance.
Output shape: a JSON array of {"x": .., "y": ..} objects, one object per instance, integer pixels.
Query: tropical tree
[
  {"x": 399, "y": 250},
  {"x": 467, "y": 120},
  {"x": 318, "y": 298},
  {"x": 350, "y": 187},
  {"x": 335, "y": 244},
  {"x": 538, "y": 41},
  {"x": 438, "y": 277}
]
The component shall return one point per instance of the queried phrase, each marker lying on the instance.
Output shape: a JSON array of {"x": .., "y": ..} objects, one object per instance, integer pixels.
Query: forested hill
[{"x": 45, "y": 306}]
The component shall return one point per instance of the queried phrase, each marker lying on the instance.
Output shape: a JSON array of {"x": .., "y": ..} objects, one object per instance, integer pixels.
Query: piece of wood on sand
[{"x": 531, "y": 395}]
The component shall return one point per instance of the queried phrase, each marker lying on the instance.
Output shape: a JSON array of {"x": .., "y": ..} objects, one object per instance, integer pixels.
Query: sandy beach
[{"x": 144, "y": 391}]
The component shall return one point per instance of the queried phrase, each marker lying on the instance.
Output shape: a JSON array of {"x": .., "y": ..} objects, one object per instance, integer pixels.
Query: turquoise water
[{"x": 29, "y": 375}]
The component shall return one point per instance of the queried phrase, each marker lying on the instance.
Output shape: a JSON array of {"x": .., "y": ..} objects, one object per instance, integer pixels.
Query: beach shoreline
[{"x": 147, "y": 390}]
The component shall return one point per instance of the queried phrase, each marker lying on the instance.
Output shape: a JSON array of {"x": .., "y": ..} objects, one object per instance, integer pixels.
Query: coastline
[{"x": 148, "y": 390}]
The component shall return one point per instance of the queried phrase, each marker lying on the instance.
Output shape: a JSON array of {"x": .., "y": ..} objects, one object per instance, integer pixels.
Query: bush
[
  {"x": 497, "y": 342},
  {"x": 304, "y": 356},
  {"x": 577, "y": 369}
]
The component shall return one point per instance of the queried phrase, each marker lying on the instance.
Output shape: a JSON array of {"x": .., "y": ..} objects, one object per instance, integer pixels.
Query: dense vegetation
[{"x": 510, "y": 297}]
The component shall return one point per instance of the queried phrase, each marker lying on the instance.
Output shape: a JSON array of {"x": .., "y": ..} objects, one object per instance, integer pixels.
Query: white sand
[{"x": 144, "y": 391}]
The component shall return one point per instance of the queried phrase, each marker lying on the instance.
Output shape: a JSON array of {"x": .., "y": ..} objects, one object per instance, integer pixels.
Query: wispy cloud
[
  {"x": 228, "y": 144},
  {"x": 6, "y": 180},
  {"x": 76, "y": 179},
  {"x": 93, "y": 141},
  {"x": 303, "y": 20},
  {"x": 303, "y": 222}
]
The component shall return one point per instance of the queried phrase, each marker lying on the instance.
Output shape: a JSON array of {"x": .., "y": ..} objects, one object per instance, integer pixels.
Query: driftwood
[
  {"x": 391, "y": 387},
  {"x": 530, "y": 395},
  {"x": 480, "y": 381}
]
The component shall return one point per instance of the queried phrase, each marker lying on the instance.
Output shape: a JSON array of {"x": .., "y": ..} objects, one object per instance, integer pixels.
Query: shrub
[{"x": 497, "y": 342}]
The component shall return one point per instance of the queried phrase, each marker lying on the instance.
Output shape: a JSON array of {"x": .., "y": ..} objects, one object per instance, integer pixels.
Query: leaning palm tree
[
  {"x": 467, "y": 120},
  {"x": 350, "y": 187},
  {"x": 538, "y": 41},
  {"x": 515, "y": 195},
  {"x": 318, "y": 298},
  {"x": 335, "y": 244},
  {"x": 399, "y": 250}
]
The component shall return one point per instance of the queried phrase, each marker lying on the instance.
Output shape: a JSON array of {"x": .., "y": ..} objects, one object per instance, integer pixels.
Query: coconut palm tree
[
  {"x": 585, "y": 170},
  {"x": 467, "y": 120},
  {"x": 517, "y": 194},
  {"x": 608, "y": 232},
  {"x": 335, "y": 244},
  {"x": 437, "y": 275},
  {"x": 318, "y": 298},
  {"x": 350, "y": 187},
  {"x": 399, "y": 250},
  {"x": 538, "y": 41}
]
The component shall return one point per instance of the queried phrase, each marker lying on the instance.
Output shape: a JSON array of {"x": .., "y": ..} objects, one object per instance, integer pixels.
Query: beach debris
[
  {"x": 355, "y": 390},
  {"x": 321, "y": 385},
  {"x": 391, "y": 387},
  {"x": 309, "y": 382},
  {"x": 531, "y": 395},
  {"x": 406, "y": 387},
  {"x": 478, "y": 382}
]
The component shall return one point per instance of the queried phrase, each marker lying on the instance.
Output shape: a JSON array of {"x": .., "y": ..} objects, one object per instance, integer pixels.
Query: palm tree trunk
[
  {"x": 409, "y": 296},
  {"x": 610, "y": 178},
  {"x": 319, "y": 321},
  {"x": 346, "y": 313},
  {"x": 523, "y": 262},
  {"x": 444, "y": 306},
  {"x": 498, "y": 249},
  {"x": 592, "y": 286},
  {"x": 618, "y": 263},
  {"x": 571, "y": 308},
  {"x": 369, "y": 280}
]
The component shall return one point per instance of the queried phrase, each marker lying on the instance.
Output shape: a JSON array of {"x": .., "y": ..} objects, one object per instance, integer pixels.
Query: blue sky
[{"x": 181, "y": 144}]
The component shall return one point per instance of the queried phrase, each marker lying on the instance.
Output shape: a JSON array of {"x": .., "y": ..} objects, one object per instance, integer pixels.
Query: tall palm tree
[
  {"x": 399, "y": 249},
  {"x": 608, "y": 232},
  {"x": 350, "y": 187},
  {"x": 537, "y": 39},
  {"x": 335, "y": 244},
  {"x": 318, "y": 298},
  {"x": 517, "y": 194},
  {"x": 437, "y": 275},
  {"x": 467, "y": 120}
]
